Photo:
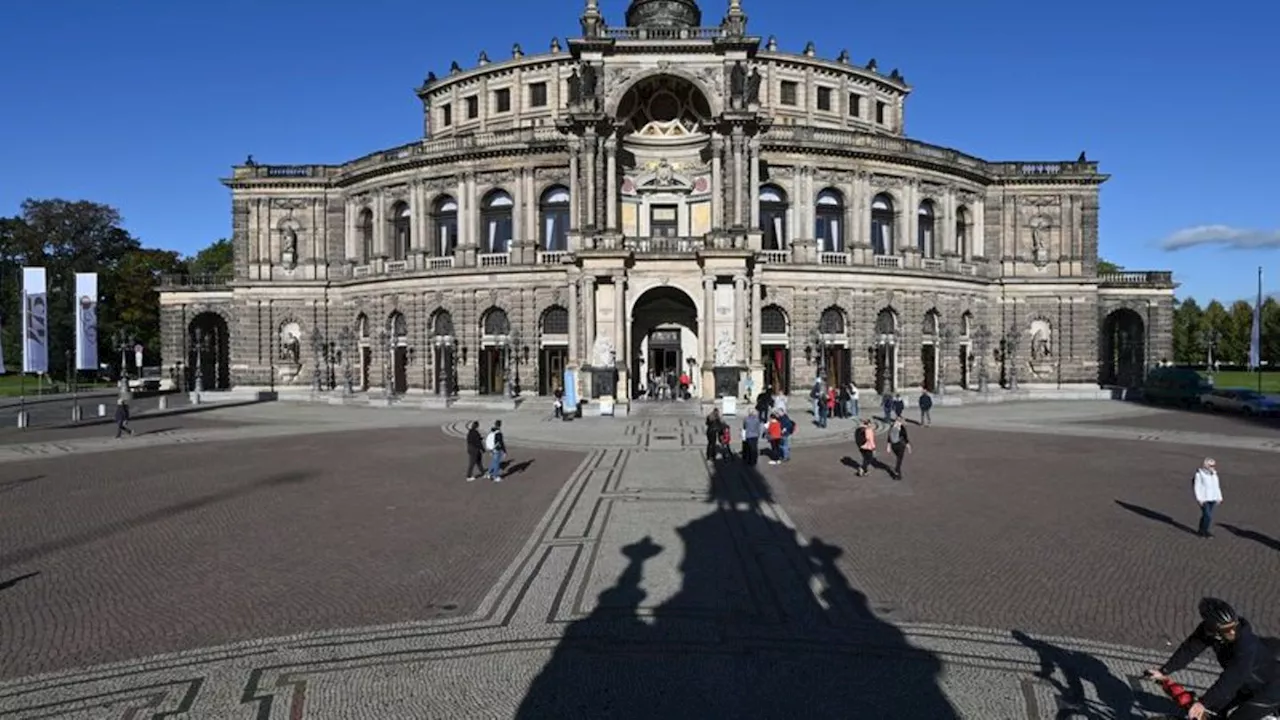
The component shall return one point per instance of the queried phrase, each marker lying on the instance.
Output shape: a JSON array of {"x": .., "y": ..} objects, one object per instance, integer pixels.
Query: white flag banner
[
  {"x": 35, "y": 321},
  {"x": 86, "y": 321}
]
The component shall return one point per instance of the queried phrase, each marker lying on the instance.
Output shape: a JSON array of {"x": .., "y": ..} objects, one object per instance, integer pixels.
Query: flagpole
[{"x": 1257, "y": 314}]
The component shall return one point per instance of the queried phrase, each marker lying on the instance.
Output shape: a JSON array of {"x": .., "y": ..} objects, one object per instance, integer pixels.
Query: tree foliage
[
  {"x": 217, "y": 259},
  {"x": 66, "y": 237},
  {"x": 1227, "y": 330},
  {"x": 1107, "y": 267}
]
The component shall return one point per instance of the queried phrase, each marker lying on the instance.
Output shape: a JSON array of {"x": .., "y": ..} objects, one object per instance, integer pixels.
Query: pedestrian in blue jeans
[
  {"x": 1208, "y": 494},
  {"x": 494, "y": 443}
]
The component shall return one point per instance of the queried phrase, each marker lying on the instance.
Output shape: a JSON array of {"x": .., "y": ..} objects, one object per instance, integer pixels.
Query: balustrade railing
[
  {"x": 199, "y": 281},
  {"x": 552, "y": 257},
  {"x": 660, "y": 33},
  {"x": 397, "y": 266},
  {"x": 775, "y": 256},
  {"x": 888, "y": 261},
  {"x": 439, "y": 263},
  {"x": 933, "y": 264},
  {"x": 665, "y": 245},
  {"x": 493, "y": 259},
  {"x": 833, "y": 258},
  {"x": 967, "y": 269},
  {"x": 361, "y": 271},
  {"x": 1137, "y": 278}
]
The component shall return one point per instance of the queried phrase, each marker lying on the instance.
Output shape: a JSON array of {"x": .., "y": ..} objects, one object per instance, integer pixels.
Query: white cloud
[{"x": 1224, "y": 235}]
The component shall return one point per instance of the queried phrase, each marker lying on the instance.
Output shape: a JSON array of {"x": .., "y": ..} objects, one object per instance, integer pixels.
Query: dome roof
[{"x": 664, "y": 13}]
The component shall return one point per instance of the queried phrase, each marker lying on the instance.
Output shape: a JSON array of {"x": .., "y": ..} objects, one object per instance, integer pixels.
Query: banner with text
[
  {"x": 35, "y": 321},
  {"x": 86, "y": 321}
]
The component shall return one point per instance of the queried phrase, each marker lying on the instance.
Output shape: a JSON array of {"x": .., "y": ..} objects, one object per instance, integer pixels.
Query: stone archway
[
  {"x": 664, "y": 342},
  {"x": 208, "y": 352},
  {"x": 1123, "y": 349}
]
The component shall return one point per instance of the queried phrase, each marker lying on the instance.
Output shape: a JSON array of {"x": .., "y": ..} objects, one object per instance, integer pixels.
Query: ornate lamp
[{"x": 983, "y": 337}]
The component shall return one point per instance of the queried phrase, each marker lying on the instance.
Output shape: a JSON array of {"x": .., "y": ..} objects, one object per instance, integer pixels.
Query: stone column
[
  {"x": 739, "y": 317},
  {"x": 948, "y": 230},
  {"x": 573, "y": 320},
  {"x": 737, "y": 176},
  {"x": 592, "y": 148},
  {"x": 588, "y": 317},
  {"x": 611, "y": 188},
  {"x": 978, "y": 231},
  {"x": 756, "y": 306},
  {"x": 912, "y": 194},
  {"x": 380, "y": 245},
  {"x": 622, "y": 353},
  {"x": 706, "y": 329},
  {"x": 575, "y": 185},
  {"x": 717, "y": 181},
  {"x": 349, "y": 229},
  {"x": 417, "y": 217},
  {"x": 753, "y": 187}
]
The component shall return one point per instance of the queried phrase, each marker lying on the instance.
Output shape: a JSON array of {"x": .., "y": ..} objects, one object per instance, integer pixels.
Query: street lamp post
[
  {"x": 983, "y": 337},
  {"x": 199, "y": 338},
  {"x": 948, "y": 341},
  {"x": 819, "y": 344},
  {"x": 318, "y": 346},
  {"x": 1011, "y": 343},
  {"x": 346, "y": 342},
  {"x": 1210, "y": 337},
  {"x": 386, "y": 341}
]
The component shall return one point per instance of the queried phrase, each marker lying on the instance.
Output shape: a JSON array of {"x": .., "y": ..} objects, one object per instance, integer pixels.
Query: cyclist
[{"x": 1249, "y": 686}]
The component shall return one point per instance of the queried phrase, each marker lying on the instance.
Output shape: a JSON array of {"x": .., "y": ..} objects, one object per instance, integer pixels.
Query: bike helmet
[{"x": 1217, "y": 613}]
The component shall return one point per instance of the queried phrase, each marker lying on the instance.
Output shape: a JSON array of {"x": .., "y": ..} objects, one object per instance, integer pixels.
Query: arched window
[
  {"x": 829, "y": 221},
  {"x": 773, "y": 321},
  {"x": 966, "y": 324},
  {"x": 400, "y": 222},
  {"x": 962, "y": 232},
  {"x": 362, "y": 327},
  {"x": 886, "y": 322},
  {"x": 831, "y": 322},
  {"x": 398, "y": 325},
  {"x": 495, "y": 322},
  {"x": 495, "y": 218},
  {"x": 882, "y": 217},
  {"x": 555, "y": 219},
  {"x": 555, "y": 321},
  {"x": 773, "y": 217},
  {"x": 925, "y": 236},
  {"x": 444, "y": 223},
  {"x": 442, "y": 324},
  {"x": 931, "y": 325},
  {"x": 364, "y": 226}
]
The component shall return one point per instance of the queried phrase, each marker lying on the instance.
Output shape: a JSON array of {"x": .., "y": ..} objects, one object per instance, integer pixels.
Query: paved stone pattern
[
  {"x": 168, "y": 548},
  {"x": 648, "y": 569}
]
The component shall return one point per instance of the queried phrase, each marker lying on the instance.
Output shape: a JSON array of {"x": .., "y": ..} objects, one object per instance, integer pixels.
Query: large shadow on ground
[{"x": 742, "y": 637}]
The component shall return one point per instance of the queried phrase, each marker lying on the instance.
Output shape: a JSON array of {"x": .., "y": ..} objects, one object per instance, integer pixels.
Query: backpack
[
  {"x": 491, "y": 441},
  {"x": 860, "y": 437},
  {"x": 788, "y": 426}
]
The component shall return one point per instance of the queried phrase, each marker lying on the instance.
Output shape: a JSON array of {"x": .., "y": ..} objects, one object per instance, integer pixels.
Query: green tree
[
  {"x": 134, "y": 299},
  {"x": 217, "y": 259},
  {"x": 1106, "y": 266},
  {"x": 1216, "y": 322},
  {"x": 1234, "y": 347},
  {"x": 1188, "y": 332},
  {"x": 1271, "y": 332}
]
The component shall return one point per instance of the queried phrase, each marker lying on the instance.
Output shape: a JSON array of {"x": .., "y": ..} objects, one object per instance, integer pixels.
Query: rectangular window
[
  {"x": 880, "y": 112},
  {"x": 855, "y": 105},
  {"x": 664, "y": 221},
  {"x": 538, "y": 94},
  {"x": 788, "y": 92},
  {"x": 446, "y": 115},
  {"x": 502, "y": 100},
  {"x": 473, "y": 107},
  {"x": 824, "y": 98}
]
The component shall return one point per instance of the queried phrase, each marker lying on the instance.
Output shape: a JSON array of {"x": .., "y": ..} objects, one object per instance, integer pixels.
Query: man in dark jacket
[
  {"x": 494, "y": 443},
  {"x": 1249, "y": 686},
  {"x": 900, "y": 444},
  {"x": 475, "y": 451}
]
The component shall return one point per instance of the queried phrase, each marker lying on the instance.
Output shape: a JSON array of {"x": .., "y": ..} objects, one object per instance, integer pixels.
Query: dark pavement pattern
[
  {"x": 1201, "y": 421},
  {"x": 142, "y": 425},
  {"x": 46, "y": 413},
  {"x": 1051, "y": 535},
  {"x": 125, "y": 554}
]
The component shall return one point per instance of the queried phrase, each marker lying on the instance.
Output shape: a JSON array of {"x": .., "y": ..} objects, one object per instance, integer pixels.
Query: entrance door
[
  {"x": 366, "y": 366},
  {"x": 400, "y": 378},
  {"x": 551, "y": 369},
  {"x": 929, "y": 363},
  {"x": 492, "y": 377},
  {"x": 886, "y": 360},
  {"x": 777, "y": 368},
  {"x": 964, "y": 366},
  {"x": 835, "y": 362}
]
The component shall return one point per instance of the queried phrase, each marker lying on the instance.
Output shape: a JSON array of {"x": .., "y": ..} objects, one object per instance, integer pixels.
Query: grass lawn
[
  {"x": 13, "y": 385},
  {"x": 1247, "y": 380}
]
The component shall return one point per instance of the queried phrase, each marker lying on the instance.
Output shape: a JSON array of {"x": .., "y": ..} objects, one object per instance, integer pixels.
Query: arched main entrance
[
  {"x": 208, "y": 352},
  {"x": 1123, "y": 349},
  {"x": 398, "y": 330},
  {"x": 664, "y": 343}
]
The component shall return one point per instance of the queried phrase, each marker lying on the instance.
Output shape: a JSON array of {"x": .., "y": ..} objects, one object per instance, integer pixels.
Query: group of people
[
  {"x": 477, "y": 445},
  {"x": 669, "y": 386}
]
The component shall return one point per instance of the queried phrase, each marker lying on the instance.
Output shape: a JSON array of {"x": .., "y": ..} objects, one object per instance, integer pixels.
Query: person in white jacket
[{"x": 1208, "y": 494}]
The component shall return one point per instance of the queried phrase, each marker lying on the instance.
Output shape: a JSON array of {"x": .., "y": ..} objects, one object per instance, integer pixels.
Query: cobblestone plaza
[{"x": 275, "y": 561}]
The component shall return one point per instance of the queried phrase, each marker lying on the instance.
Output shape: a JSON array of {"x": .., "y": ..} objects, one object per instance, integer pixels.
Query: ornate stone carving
[
  {"x": 548, "y": 175},
  {"x": 726, "y": 350},
  {"x": 602, "y": 353},
  {"x": 887, "y": 181},
  {"x": 713, "y": 78},
  {"x": 291, "y": 343},
  {"x": 1039, "y": 226},
  {"x": 1041, "y": 333},
  {"x": 289, "y": 247},
  {"x": 496, "y": 177},
  {"x": 1042, "y": 200},
  {"x": 397, "y": 192},
  {"x": 290, "y": 203}
]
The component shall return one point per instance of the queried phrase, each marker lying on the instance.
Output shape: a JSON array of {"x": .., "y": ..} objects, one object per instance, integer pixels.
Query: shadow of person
[
  {"x": 1068, "y": 672},
  {"x": 734, "y": 630},
  {"x": 509, "y": 469},
  {"x": 1157, "y": 516},
  {"x": 1254, "y": 535}
]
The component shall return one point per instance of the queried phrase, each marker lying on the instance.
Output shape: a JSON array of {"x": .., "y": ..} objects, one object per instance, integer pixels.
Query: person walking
[
  {"x": 475, "y": 451},
  {"x": 714, "y": 429},
  {"x": 854, "y": 411},
  {"x": 495, "y": 444},
  {"x": 1208, "y": 494},
  {"x": 559, "y": 405},
  {"x": 926, "y": 405},
  {"x": 828, "y": 405},
  {"x": 763, "y": 402},
  {"x": 899, "y": 406},
  {"x": 886, "y": 404},
  {"x": 774, "y": 432},
  {"x": 865, "y": 439},
  {"x": 123, "y": 400},
  {"x": 899, "y": 444},
  {"x": 817, "y": 398},
  {"x": 788, "y": 430},
  {"x": 750, "y": 439}
]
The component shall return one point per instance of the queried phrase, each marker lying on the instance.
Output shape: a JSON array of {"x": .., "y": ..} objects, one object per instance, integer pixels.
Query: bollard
[
  {"x": 102, "y": 410},
  {"x": 23, "y": 419},
  {"x": 164, "y": 402},
  {"x": 76, "y": 413}
]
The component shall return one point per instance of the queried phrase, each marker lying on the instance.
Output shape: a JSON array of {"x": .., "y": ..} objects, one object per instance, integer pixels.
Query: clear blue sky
[{"x": 144, "y": 104}]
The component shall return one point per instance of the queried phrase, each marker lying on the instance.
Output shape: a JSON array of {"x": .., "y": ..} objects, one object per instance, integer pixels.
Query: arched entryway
[
  {"x": 365, "y": 354},
  {"x": 835, "y": 363},
  {"x": 398, "y": 331},
  {"x": 775, "y": 348},
  {"x": 664, "y": 342},
  {"x": 1123, "y": 347},
  {"x": 494, "y": 364},
  {"x": 931, "y": 351},
  {"x": 885, "y": 351},
  {"x": 553, "y": 348},
  {"x": 208, "y": 353},
  {"x": 443, "y": 353}
]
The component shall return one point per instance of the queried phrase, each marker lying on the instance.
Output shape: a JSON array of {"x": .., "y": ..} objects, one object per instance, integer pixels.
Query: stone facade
[{"x": 663, "y": 196}]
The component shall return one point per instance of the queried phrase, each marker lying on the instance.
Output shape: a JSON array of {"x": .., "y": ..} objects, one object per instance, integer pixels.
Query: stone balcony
[{"x": 1154, "y": 279}]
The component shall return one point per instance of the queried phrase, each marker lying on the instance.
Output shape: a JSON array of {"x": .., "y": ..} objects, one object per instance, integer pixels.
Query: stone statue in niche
[
  {"x": 664, "y": 173},
  {"x": 753, "y": 87},
  {"x": 726, "y": 351},
  {"x": 738, "y": 84},
  {"x": 289, "y": 247},
  {"x": 1041, "y": 336},
  {"x": 602, "y": 353},
  {"x": 291, "y": 344},
  {"x": 1040, "y": 241},
  {"x": 575, "y": 87}
]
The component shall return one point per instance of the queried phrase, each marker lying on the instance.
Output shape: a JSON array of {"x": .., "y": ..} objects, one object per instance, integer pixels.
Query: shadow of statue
[
  {"x": 756, "y": 623},
  {"x": 1068, "y": 672}
]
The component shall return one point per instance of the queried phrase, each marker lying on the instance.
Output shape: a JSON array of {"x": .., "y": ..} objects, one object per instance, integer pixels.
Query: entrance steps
[{"x": 666, "y": 408}]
